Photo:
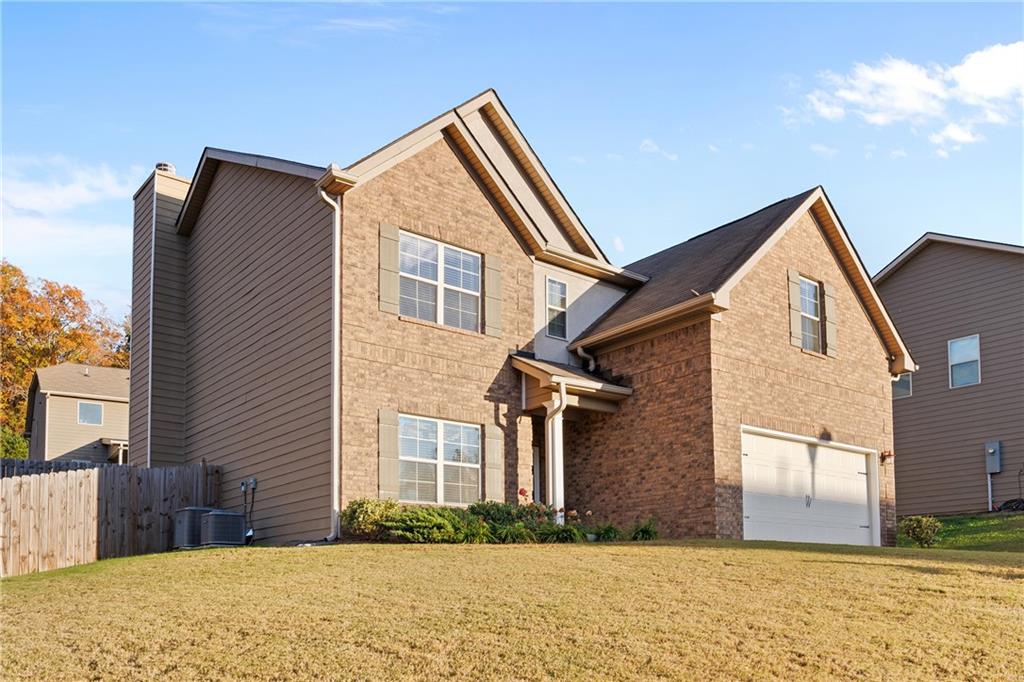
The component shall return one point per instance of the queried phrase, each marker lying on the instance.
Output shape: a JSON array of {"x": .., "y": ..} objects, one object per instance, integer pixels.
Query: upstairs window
[
  {"x": 964, "y": 361},
  {"x": 452, "y": 478},
  {"x": 90, "y": 414},
  {"x": 810, "y": 315},
  {"x": 438, "y": 283},
  {"x": 903, "y": 387},
  {"x": 557, "y": 303}
]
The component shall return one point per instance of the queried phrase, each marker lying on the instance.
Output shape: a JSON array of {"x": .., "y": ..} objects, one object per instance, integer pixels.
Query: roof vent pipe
[{"x": 166, "y": 167}]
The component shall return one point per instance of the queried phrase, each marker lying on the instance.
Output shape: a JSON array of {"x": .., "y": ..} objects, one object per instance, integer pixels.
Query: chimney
[{"x": 166, "y": 167}]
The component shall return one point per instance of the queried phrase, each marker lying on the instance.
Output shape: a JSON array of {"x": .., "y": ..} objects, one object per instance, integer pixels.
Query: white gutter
[
  {"x": 591, "y": 361},
  {"x": 554, "y": 456},
  {"x": 335, "y": 204}
]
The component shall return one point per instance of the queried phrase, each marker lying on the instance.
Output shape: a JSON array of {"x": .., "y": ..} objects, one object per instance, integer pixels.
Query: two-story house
[
  {"x": 434, "y": 324},
  {"x": 959, "y": 302},
  {"x": 78, "y": 412}
]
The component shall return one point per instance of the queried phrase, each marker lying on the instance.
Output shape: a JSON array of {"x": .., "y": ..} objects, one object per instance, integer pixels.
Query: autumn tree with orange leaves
[{"x": 45, "y": 323}]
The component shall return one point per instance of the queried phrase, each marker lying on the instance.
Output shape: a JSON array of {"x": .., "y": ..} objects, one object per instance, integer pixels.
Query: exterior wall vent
[{"x": 166, "y": 167}]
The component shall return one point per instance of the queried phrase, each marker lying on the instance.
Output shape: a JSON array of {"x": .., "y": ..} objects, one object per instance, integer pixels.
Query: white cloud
[
  {"x": 897, "y": 154},
  {"x": 942, "y": 153},
  {"x": 994, "y": 73},
  {"x": 618, "y": 245},
  {"x": 613, "y": 157},
  {"x": 955, "y": 133},
  {"x": 650, "y": 146},
  {"x": 824, "y": 150},
  {"x": 713, "y": 149},
  {"x": 826, "y": 107},
  {"x": 58, "y": 184},
  {"x": 368, "y": 25}
]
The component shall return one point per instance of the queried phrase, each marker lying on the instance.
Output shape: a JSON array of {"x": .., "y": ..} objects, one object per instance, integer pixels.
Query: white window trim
[
  {"x": 548, "y": 308},
  {"x": 817, "y": 320},
  {"x": 78, "y": 410},
  {"x": 440, "y": 283},
  {"x": 910, "y": 381},
  {"x": 949, "y": 363},
  {"x": 440, "y": 462}
]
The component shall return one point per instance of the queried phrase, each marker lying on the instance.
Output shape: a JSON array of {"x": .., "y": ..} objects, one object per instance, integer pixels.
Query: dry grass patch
[{"x": 727, "y": 610}]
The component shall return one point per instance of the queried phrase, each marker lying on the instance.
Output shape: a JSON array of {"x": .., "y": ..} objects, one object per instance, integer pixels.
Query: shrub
[
  {"x": 645, "y": 531},
  {"x": 922, "y": 530},
  {"x": 498, "y": 514},
  {"x": 437, "y": 524},
  {"x": 607, "y": 532},
  {"x": 13, "y": 443},
  {"x": 366, "y": 518},
  {"x": 552, "y": 532},
  {"x": 514, "y": 533}
]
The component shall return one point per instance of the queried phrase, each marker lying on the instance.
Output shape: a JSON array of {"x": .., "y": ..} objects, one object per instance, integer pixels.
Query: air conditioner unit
[
  {"x": 220, "y": 527},
  {"x": 187, "y": 526}
]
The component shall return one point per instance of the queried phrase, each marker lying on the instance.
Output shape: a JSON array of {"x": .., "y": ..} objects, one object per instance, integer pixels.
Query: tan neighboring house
[
  {"x": 434, "y": 324},
  {"x": 78, "y": 412},
  {"x": 959, "y": 303}
]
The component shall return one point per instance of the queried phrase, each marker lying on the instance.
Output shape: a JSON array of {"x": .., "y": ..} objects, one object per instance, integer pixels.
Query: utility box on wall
[{"x": 993, "y": 457}]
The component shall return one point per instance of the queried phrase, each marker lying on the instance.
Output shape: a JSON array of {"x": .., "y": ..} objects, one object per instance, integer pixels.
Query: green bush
[
  {"x": 607, "y": 532},
  {"x": 552, "y": 532},
  {"x": 13, "y": 444},
  {"x": 498, "y": 514},
  {"x": 645, "y": 531},
  {"x": 366, "y": 518},
  {"x": 921, "y": 530},
  {"x": 437, "y": 524},
  {"x": 514, "y": 533}
]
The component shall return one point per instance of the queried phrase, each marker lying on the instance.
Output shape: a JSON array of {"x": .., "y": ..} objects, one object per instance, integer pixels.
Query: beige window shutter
[
  {"x": 494, "y": 463},
  {"x": 828, "y": 295},
  {"x": 794, "y": 308},
  {"x": 387, "y": 454},
  {"x": 389, "y": 268},
  {"x": 492, "y": 295}
]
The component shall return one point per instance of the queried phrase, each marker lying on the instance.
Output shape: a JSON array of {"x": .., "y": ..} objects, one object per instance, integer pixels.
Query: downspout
[
  {"x": 591, "y": 361},
  {"x": 335, "y": 205},
  {"x": 555, "y": 463}
]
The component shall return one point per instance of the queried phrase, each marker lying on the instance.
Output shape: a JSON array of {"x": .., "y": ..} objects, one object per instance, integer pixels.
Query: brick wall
[
  {"x": 759, "y": 379},
  {"x": 422, "y": 368}
]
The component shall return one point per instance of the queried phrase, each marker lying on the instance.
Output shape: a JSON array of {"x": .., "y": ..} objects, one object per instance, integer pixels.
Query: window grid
[
  {"x": 810, "y": 315},
  {"x": 444, "y": 290},
  {"x": 963, "y": 358},
  {"x": 452, "y": 478},
  {"x": 557, "y": 303}
]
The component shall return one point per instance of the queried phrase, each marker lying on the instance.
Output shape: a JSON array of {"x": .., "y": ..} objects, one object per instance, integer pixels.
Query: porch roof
[{"x": 577, "y": 380}]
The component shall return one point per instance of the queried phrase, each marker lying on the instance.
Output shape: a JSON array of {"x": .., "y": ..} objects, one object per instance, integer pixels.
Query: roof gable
[{"x": 929, "y": 238}]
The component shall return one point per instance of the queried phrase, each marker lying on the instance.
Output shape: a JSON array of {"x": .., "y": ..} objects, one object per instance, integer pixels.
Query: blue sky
[{"x": 657, "y": 121}]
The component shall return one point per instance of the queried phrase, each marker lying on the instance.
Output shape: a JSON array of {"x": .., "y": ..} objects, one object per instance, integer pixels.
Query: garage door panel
[{"x": 804, "y": 492}]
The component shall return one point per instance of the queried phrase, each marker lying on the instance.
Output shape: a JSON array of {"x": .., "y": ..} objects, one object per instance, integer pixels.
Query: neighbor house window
[
  {"x": 438, "y": 461},
  {"x": 557, "y": 300},
  {"x": 964, "y": 361},
  {"x": 90, "y": 413},
  {"x": 903, "y": 387},
  {"x": 810, "y": 315},
  {"x": 438, "y": 282}
]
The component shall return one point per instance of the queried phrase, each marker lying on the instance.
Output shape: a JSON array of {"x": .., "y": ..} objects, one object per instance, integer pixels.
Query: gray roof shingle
[{"x": 71, "y": 378}]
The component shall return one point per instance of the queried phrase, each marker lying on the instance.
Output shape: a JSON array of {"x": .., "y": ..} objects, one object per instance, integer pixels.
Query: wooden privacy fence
[
  {"x": 26, "y": 467},
  {"x": 68, "y": 518}
]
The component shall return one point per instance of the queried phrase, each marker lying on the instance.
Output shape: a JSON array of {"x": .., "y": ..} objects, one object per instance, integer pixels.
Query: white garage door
[{"x": 805, "y": 491}]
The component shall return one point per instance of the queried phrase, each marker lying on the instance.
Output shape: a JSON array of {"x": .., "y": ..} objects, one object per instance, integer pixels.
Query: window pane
[
  {"x": 461, "y": 443},
  {"x": 417, "y": 438},
  {"x": 964, "y": 374},
  {"x": 461, "y": 484},
  {"x": 810, "y": 334},
  {"x": 417, "y": 256},
  {"x": 556, "y": 294},
  {"x": 461, "y": 269},
  {"x": 417, "y": 481},
  {"x": 90, "y": 413},
  {"x": 963, "y": 350},
  {"x": 461, "y": 310},
  {"x": 556, "y": 323},
  {"x": 901, "y": 388},
  {"x": 809, "y": 298},
  {"x": 417, "y": 299}
]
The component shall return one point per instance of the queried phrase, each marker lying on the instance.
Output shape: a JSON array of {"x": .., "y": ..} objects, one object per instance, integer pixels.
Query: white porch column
[{"x": 554, "y": 458}]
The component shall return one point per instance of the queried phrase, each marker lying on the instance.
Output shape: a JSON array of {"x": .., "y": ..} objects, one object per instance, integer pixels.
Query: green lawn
[
  {"x": 988, "y": 532},
  {"x": 593, "y": 611}
]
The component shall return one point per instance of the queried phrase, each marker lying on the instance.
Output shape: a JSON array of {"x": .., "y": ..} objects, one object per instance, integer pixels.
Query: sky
[{"x": 658, "y": 122}]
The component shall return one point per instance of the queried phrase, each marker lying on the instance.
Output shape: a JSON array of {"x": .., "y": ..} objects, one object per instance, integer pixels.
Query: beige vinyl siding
[
  {"x": 258, "y": 304},
  {"x": 168, "y": 371},
  {"x": 37, "y": 443},
  {"x": 138, "y": 452},
  {"x": 70, "y": 440},
  {"x": 945, "y": 292}
]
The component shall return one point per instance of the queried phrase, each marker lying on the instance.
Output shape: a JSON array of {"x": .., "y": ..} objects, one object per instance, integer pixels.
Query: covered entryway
[{"x": 801, "y": 489}]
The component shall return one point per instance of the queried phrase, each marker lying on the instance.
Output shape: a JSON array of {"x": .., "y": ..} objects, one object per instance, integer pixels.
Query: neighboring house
[
  {"x": 960, "y": 305},
  {"x": 78, "y": 412},
  {"x": 434, "y": 324}
]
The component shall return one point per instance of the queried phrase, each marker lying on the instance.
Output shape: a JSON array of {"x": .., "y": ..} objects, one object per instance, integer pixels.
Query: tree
[
  {"x": 12, "y": 443},
  {"x": 45, "y": 323}
]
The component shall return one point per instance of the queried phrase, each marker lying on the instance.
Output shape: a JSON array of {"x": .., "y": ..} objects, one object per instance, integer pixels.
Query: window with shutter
[
  {"x": 439, "y": 461},
  {"x": 439, "y": 283}
]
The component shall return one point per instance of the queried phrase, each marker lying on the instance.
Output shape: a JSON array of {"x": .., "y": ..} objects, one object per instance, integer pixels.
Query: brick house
[{"x": 434, "y": 324}]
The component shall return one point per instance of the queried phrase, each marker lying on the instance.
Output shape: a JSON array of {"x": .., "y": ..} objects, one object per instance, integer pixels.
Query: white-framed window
[
  {"x": 90, "y": 414},
  {"x": 438, "y": 282},
  {"x": 438, "y": 461},
  {"x": 964, "y": 356},
  {"x": 903, "y": 387},
  {"x": 810, "y": 315},
  {"x": 558, "y": 300}
]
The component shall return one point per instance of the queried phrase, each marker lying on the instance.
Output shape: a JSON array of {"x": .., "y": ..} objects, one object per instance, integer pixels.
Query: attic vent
[
  {"x": 86, "y": 371},
  {"x": 166, "y": 167}
]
